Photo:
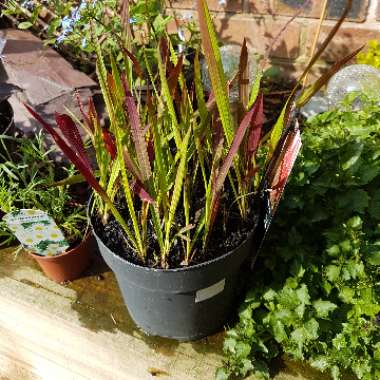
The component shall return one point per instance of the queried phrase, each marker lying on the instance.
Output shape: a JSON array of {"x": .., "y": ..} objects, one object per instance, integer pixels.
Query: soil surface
[{"x": 228, "y": 233}]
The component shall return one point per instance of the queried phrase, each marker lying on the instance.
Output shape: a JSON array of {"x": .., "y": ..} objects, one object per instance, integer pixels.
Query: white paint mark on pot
[{"x": 210, "y": 291}]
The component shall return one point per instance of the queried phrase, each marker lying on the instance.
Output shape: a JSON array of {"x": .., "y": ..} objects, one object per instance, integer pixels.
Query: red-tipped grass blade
[
  {"x": 69, "y": 152},
  {"x": 109, "y": 142},
  {"x": 138, "y": 188},
  {"x": 137, "y": 134},
  {"x": 72, "y": 136}
]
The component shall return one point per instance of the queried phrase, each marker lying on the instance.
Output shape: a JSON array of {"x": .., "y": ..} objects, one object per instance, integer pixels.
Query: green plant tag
[{"x": 36, "y": 231}]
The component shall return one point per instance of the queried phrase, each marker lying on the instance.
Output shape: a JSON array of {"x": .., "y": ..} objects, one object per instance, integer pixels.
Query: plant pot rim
[
  {"x": 84, "y": 240},
  {"x": 170, "y": 270}
]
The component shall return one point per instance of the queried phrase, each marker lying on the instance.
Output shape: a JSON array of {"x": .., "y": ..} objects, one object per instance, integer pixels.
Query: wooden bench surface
[{"x": 82, "y": 330}]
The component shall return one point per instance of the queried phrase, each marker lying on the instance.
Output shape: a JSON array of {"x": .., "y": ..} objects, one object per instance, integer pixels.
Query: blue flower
[
  {"x": 76, "y": 12},
  {"x": 67, "y": 25},
  {"x": 28, "y": 4},
  {"x": 68, "y": 22}
]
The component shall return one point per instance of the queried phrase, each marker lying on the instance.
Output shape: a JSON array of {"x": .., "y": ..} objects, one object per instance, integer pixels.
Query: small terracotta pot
[{"x": 69, "y": 265}]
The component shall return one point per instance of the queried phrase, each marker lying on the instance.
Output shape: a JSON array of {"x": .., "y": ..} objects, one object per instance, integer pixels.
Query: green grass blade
[
  {"x": 111, "y": 186},
  {"x": 157, "y": 227},
  {"x": 128, "y": 194},
  {"x": 186, "y": 207},
  {"x": 215, "y": 67},
  {"x": 102, "y": 74},
  {"x": 276, "y": 132},
  {"x": 255, "y": 89},
  {"x": 177, "y": 190},
  {"x": 199, "y": 90},
  {"x": 168, "y": 100},
  {"x": 160, "y": 167}
]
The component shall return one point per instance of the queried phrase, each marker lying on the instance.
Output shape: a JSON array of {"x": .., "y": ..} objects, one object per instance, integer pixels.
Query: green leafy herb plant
[
  {"x": 316, "y": 294},
  {"x": 27, "y": 178}
]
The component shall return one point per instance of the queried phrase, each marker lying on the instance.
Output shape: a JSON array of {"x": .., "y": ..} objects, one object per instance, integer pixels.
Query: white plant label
[
  {"x": 36, "y": 231},
  {"x": 209, "y": 292}
]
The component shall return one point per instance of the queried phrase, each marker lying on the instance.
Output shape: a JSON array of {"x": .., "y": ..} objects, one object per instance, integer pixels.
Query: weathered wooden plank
[{"x": 82, "y": 330}]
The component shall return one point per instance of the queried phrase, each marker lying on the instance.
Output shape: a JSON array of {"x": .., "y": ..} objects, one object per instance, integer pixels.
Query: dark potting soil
[{"x": 228, "y": 233}]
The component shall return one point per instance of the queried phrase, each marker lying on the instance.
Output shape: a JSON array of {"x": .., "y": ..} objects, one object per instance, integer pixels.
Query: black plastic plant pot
[{"x": 185, "y": 303}]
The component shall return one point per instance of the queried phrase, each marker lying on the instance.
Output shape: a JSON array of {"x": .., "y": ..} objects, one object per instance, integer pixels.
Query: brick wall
[{"x": 260, "y": 20}]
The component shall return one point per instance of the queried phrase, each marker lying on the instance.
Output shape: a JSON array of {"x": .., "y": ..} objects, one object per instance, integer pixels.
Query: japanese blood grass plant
[{"x": 176, "y": 158}]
